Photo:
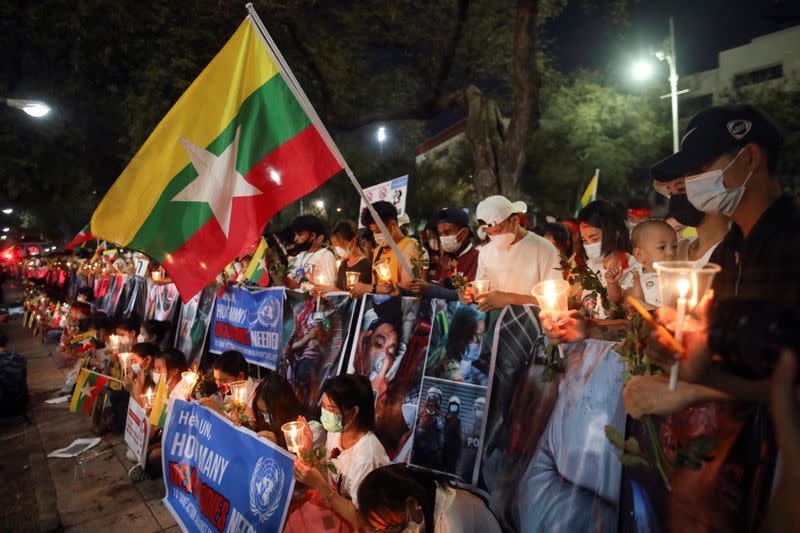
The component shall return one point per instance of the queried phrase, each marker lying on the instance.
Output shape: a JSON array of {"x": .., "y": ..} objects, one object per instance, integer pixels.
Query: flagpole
[{"x": 305, "y": 103}]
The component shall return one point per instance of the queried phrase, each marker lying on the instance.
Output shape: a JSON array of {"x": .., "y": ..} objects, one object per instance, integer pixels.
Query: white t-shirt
[
  {"x": 460, "y": 511},
  {"x": 323, "y": 260},
  {"x": 648, "y": 280},
  {"x": 518, "y": 269},
  {"x": 354, "y": 463}
]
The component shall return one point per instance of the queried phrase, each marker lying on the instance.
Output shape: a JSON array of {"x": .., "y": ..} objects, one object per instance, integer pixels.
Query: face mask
[
  {"x": 266, "y": 418},
  {"x": 331, "y": 422},
  {"x": 341, "y": 252},
  {"x": 303, "y": 246},
  {"x": 454, "y": 408},
  {"x": 684, "y": 212},
  {"x": 157, "y": 377},
  {"x": 473, "y": 351},
  {"x": 479, "y": 414},
  {"x": 380, "y": 240},
  {"x": 593, "y": 250},
  {"x": 136, "y": 368},
  {"x": 502, "y": 241},
  {"x": 707, "y": 191},
  {"x": 450, "y": 243},
  {"x": 141, "y": 338}
]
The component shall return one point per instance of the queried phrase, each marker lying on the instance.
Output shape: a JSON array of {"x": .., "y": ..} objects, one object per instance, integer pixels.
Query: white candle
[
  {"x": 683, "y": 289},
  {"x": 293, "y": 447}
]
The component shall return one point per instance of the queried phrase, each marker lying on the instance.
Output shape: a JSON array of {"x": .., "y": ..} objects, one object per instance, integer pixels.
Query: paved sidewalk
[{"x": 41, "y": 494}]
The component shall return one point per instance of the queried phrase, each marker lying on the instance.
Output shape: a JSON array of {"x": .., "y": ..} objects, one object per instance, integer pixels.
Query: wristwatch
[{"x": 328, "y": 497}]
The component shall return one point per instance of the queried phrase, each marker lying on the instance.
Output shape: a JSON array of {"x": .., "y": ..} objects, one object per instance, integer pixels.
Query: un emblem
[
  {"x": 266, "y": 486},
  {"x": 269, "y": 312}
]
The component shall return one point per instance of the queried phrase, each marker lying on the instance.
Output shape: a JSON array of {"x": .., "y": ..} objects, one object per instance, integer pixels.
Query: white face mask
[
  {"x": 450, "y": 243},
  {"x": 707, "y": 191},
  {"x": 341, "y": 252},
  {"x": 593, "y": 250},
  {"x": 136, "y": 368},
  {"x": 502, "y": 241},
  {"x": 156, "y": 377},
  {"x": 380, "y": 240},
  {"x": 141, "y": 338}
]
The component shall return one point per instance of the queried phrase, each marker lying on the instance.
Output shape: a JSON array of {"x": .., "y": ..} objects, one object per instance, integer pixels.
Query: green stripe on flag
[{"x": 269, "y": 117}]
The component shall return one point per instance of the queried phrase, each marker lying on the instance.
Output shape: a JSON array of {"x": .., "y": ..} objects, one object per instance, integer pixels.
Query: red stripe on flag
[{"x": 286, "y": 174}]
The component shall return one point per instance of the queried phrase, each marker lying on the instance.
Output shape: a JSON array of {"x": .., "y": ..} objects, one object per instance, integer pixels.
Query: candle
[
  {"x": 352, "y": 278},
  {"x": 683, "y": 290},
  {"x": 481, "y": 286},
  {"x": 552, "y": 296},
  {"x": 156, "y": 276},
  {"x": 294, "y": 436},
  {"x": 383, "y": 271},
  {"x": 238, "y": 390},
  {"x": 190, "y": 378},
  {"x": 124, "y": 358},
  {"x": 113, "y": 342},
  {"x": 147, "y": 399}
]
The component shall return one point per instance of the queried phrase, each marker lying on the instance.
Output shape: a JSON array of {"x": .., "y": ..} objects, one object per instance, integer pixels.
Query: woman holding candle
[
  {"x": 345, "y": 243},
  {"x": 348, "y": 415},
  {"x": 605, "y": 251},
  {"x": 276, "y": 404},
  {"x": 228, "y": 367}
]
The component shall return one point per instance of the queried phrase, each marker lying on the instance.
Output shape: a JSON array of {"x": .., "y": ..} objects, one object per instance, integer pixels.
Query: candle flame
[
  {"x": 683, "y": 287},
  {"x": 549, "y": 290}
]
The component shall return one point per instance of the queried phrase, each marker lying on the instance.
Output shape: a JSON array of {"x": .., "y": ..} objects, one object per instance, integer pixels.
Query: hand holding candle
[
  {"x": 190, "y": 378},
  {"x": 294, "y": 435},
  {"x": 147, "y": 399},
  {"x": 351, "y": 279},
  {"x": 383, "y": 272},
  {"x": 481, "y": 286}
]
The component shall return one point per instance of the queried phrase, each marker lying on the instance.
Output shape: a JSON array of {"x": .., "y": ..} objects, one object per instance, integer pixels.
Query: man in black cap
[{"x": 452, "y": 225}]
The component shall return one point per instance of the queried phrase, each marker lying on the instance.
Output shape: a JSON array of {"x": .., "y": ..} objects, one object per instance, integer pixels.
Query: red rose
[{"x": 335, "y": 453}]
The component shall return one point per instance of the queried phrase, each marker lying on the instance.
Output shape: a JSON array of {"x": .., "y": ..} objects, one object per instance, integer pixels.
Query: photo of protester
[
  {"x": 460, "y": 350},
  {"x": 390, "y": 347}
]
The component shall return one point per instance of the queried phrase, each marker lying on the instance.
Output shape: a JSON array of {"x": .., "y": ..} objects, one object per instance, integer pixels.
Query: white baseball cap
[
  {"x": 403, "y": 220},
  {"x": 495, "y": 209}
]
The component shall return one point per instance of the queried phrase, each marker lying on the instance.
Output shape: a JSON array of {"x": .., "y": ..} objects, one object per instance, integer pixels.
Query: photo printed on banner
[
  {"x": 316, "y": 338},
  {"x": 448, "y": 428},
  {"x": 390, "y": 347}
]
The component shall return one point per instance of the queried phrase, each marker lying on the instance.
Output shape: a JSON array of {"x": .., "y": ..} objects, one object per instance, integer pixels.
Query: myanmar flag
[
  {"x": 257, "y": 269},
  {"x": 158, "y": 413},
  {"x": 87, "y": 388},
  {"x": 235, "y": 149},
  {"x": 82, "y": 343},
  {"x": 590, "y": 194},
  {"x": 83, "y": 236}
]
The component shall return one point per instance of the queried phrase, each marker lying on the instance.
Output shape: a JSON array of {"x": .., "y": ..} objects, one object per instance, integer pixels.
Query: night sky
[{"x": 702, "y": 29}]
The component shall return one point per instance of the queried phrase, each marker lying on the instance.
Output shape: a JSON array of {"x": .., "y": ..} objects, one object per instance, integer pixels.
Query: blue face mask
[{"x": 473, "y": 352}]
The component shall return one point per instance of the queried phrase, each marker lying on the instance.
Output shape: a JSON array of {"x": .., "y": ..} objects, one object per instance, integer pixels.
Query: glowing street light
[
  {"x": 34, "y": 108},
  {"x": 6, "y": 230},
  {"x": 642, "y": 70},
  {"x": 7, "y": 211},
  {"x": 381, "y": 134},
  {"x": 319, "y": 204}
]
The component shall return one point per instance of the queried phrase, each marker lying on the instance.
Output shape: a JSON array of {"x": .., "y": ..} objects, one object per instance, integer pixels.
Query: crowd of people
[{"x": 722, "y": 182}]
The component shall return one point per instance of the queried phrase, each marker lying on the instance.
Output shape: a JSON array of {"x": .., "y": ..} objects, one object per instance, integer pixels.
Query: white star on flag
[
  {"x": 86, "y": 391},
  {"x": 217, "y": 182}
]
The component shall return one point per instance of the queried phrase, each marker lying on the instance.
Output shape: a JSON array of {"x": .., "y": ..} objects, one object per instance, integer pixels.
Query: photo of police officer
[{"x": 448, "y": 430}]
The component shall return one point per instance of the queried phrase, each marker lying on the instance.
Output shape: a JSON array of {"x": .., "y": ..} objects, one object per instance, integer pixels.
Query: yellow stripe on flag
[
  {"x": 76, "y": 394},
  {"x": 199, "y": 115},
  {"x": 590, "y": 194},
  {"x": 258, "y": 255},
  {"x": 159, "y": 404}
]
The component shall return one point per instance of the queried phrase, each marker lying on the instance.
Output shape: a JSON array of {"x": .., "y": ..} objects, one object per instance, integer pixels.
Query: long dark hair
[
  {"x": 611, "y": 221},
  {"x": 282, "y": 405},
  {"x": 348, "y": 391},
  {"x": 387, "y": 489},
  {"x": 232, "y": 362},
  {"x": 462, "y": 329}
]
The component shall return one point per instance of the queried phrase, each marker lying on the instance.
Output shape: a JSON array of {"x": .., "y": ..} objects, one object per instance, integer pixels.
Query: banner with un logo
[
  {"x": 220, "y": 477},
  {"x": 249, "y": 322}
]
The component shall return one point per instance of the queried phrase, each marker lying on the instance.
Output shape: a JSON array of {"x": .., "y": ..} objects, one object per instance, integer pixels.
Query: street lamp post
[
  {"x": 34, "y": 108},
  {"x": 669, "y": 56}
]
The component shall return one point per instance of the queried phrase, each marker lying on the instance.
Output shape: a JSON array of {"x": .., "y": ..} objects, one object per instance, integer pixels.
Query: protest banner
[
  {"x": 137, "y": 431},
  {"x": 393, "y": 191},
  {"x": 316, "y": 340},
  {"x": 219, "y": 477},
  {"x": 249, "y": 322},
  {"x": 193, "y": 324},
  {"x": 389, "y": 346}
]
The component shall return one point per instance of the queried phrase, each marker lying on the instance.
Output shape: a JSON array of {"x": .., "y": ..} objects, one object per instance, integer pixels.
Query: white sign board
[
  {"x": 141, "y": 267},
  {"x": 137, "y": 431},
  {"x": 394, "y": 191}
]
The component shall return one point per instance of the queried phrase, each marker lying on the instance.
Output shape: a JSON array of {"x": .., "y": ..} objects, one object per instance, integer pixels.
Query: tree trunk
[{"x": 499, "y": 152}]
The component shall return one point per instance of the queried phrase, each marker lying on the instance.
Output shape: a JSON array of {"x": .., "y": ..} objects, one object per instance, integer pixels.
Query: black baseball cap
[
  {"x": 454, "y": 215},
  {"x": 713, "y": 132}
]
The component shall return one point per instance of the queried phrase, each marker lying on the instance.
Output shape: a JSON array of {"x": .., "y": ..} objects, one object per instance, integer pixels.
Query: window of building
[{"x": 761, "y": 75}]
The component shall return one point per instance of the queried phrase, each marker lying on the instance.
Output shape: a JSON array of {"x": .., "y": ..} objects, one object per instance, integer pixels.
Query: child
[
  {"x": 653, "y": 240},
  {"x": 605, "y": 245}
]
